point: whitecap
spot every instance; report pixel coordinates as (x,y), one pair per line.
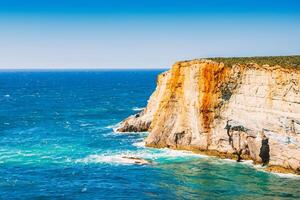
(85,124)
(7,95)
(137,108)
(28,154)
(46,157)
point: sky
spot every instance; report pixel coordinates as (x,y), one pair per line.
(42,34)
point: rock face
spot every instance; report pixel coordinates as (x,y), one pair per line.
(242,111)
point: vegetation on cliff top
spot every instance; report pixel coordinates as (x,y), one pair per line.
(284,61)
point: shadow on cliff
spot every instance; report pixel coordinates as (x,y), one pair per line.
(265,151)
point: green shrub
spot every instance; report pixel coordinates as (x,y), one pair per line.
(284,61)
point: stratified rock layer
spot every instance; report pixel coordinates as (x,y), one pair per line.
(241,111)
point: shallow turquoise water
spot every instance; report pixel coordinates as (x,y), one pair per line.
(57,142)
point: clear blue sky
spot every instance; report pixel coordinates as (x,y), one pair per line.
(142,33)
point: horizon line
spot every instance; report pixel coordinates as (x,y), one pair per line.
(81,69)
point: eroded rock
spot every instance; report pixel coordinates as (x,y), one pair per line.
(244,111)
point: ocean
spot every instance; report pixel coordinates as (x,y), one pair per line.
(57,142)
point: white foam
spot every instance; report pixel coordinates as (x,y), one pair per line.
(85,124)
(29,154)
(288,175)
(180,153)
(137,109)
(25,154)
(225,160)
(46,157)
(283,175)
(114,127)
(258,167)
(247,162)
(145,153)
(117,133)
(139,144)
(111,159)
(7,95)
(243,162)
(111,126)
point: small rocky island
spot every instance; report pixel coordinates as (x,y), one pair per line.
(238,108)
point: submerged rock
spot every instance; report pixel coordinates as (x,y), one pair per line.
(241,111)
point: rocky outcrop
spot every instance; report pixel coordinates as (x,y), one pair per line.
(141,121)
(239,111)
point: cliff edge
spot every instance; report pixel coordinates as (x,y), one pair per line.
(230,108)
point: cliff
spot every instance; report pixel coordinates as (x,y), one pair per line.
(226,108)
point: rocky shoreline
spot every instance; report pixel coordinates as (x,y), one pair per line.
(238,111)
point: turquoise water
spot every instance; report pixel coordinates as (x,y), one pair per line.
(57,142)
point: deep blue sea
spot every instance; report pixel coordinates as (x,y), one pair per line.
(57,142)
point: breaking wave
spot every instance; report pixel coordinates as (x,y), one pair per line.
(151,155)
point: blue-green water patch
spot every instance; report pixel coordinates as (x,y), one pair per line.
(57,142)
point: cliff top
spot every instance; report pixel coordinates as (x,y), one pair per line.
(284,61)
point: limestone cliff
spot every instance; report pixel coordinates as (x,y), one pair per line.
(239,111)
